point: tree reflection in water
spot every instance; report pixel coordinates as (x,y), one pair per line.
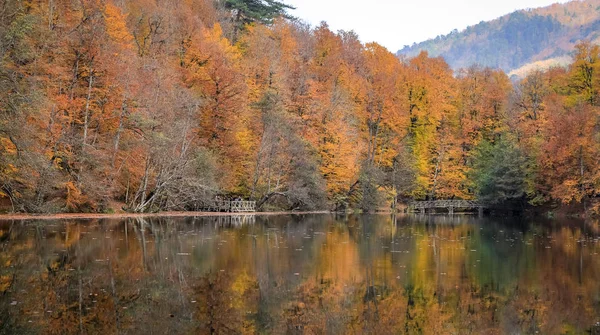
(309,274)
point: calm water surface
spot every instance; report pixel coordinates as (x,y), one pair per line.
(315,274)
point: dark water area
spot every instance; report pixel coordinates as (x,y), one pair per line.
(309,274)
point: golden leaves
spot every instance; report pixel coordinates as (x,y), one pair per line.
(116,26)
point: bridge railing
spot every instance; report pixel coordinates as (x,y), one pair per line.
(242,206)
(230,206)
(446,204)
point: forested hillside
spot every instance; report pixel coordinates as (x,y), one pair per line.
(515,40)
(148,105)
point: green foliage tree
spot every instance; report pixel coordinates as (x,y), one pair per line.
(370,179)
(250,11)
(498,171)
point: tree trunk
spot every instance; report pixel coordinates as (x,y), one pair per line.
(581,182)
(438,164)
(118,135)
(87,108)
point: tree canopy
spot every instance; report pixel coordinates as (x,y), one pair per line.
(144,106)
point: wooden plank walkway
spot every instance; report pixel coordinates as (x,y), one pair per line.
(449,205)
(233,206)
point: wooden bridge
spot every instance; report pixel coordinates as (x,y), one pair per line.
(233,206)
(449,205)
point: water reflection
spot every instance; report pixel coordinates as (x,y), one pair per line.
(300,274)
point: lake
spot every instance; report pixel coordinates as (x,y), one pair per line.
(304,274)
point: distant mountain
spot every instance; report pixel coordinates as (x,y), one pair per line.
(519,41)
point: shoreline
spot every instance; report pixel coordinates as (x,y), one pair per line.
(91,216)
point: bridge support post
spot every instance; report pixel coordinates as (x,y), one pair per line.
(480,211)
(451,210)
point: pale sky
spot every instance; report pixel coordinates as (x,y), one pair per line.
(395,23)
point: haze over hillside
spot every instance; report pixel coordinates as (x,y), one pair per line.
(518,41)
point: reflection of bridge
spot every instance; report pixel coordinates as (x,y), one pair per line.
(234,206)
(231,221)
(449,205)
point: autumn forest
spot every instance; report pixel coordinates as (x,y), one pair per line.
(146,105)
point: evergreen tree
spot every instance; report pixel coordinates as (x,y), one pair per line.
(498,172)
(250,11)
